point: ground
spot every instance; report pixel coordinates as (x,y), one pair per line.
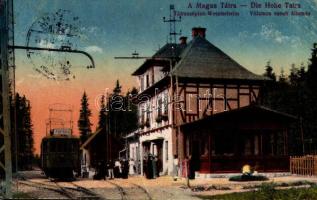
(34,184)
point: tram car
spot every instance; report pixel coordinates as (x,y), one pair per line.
(60,156)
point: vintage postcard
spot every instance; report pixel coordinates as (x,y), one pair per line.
(144,99)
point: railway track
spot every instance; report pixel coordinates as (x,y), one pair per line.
(73,191)
(131,192)
(121,189)
(76,192)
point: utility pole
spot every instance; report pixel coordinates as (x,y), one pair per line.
(172,22)
(5,128)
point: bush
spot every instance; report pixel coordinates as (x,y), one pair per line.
(244,177)
(267,192)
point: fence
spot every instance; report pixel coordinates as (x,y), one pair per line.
(304,165)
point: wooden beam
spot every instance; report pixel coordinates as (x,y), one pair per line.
(2,166)
(1,131)
(2,148)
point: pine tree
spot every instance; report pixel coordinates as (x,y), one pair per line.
(102,113)
(117,88)
(28,131)
(122,113)
(24,133)
(131,114)
(115,113)
(294,75)
(84,124)
(269,71)
(312,71)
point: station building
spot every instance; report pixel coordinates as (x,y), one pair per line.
(196,101)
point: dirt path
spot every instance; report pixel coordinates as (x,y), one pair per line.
(138,187)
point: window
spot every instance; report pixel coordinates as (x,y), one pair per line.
(142,117)
(132,153)
(191,103)
(142,83)
(148,116)
(159,107)
(52,146)
(166,150)
(224,144)
(165,104)
(147,81)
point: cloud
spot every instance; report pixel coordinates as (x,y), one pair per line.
(90,29)
(269,32)
(46,44)
(94,49)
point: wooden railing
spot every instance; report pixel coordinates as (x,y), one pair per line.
(304,165)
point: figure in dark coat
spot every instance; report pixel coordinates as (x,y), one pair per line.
(125,169)
(158,167)
(149,167)
(110,166)
(117,169)
(144,167)
(154,165)
(99,171)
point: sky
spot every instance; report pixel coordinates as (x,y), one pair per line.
(109,28)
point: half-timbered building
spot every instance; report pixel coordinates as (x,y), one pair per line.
(185,83)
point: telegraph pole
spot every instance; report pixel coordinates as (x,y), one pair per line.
(5,127)
(172,23)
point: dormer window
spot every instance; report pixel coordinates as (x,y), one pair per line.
(141,83)
(147,81)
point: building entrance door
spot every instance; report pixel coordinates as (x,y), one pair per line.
(159,154)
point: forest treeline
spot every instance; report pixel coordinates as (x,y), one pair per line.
(117,114)
(295,94)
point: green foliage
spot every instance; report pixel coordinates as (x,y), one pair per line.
(23,142)
(267,191)
(241,178)
(296,95)
(122,114)
(269,71)
(84,124)
(102,113)
(21,195)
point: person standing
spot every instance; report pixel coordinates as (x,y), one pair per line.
(103,170)
(131,167)
(191,166)
(125,169)
(154,161)
(176,167)
(158,167)
(117,169)
(110,169)
(149,167)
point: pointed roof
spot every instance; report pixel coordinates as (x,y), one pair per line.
(201,59)
(169,50)
(91,138)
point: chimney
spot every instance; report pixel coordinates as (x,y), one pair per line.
(198,31)
(183,40)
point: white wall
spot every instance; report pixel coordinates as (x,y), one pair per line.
(166,134)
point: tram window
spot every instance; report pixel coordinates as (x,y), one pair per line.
(52,146)
(70,146)
(73,146)
(60,147)
(63,147)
